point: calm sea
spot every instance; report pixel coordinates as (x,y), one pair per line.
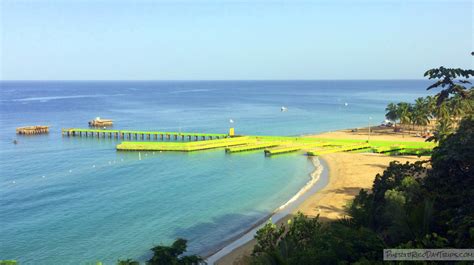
(77,201)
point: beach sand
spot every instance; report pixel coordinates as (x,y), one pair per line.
(348,173)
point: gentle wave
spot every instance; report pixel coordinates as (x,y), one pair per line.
(318,169)
(190,91)
(44,99)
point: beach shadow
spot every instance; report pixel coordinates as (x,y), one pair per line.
(207,237)
(348,190)
(331,209)
(382,166)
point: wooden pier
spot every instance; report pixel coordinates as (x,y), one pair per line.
(141,135)
(273,145)
(30,130)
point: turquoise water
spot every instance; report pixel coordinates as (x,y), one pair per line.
(76,201)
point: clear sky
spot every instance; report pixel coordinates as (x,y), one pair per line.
(215,40)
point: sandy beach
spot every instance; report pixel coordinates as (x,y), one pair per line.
(348,173)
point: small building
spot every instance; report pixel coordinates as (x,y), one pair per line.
(98,122)
(29,130)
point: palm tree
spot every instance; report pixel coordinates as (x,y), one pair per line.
(443,112)
(404,110)
(421,112)
(392,113)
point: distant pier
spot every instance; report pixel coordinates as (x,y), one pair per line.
(30,130)
(141,135)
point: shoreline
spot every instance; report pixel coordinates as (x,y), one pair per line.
(280,214)
(346,174)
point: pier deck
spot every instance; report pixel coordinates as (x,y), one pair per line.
(184,147)
(251,147)
(293,147)
(144,135)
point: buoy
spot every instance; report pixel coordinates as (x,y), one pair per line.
(346,104)
(15,142)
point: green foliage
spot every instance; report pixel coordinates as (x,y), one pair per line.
(454,102)
(432,240)
(421,112)
(172,255)
(307,241)
(451,184)
(128,262)
(452,81)
(391,112)
(404,109)
(268,237)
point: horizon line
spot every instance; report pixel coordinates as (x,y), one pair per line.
(203,80)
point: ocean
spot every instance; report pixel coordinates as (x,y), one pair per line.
(78,201)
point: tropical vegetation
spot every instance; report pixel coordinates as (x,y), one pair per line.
(445,109)
(427,204)
(169,255)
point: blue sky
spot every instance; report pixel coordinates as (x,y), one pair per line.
(215,40)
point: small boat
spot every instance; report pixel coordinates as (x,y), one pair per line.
(283,109)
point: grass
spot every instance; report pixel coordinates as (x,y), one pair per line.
(345,148)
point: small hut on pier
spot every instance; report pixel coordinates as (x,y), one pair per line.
(98,122)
